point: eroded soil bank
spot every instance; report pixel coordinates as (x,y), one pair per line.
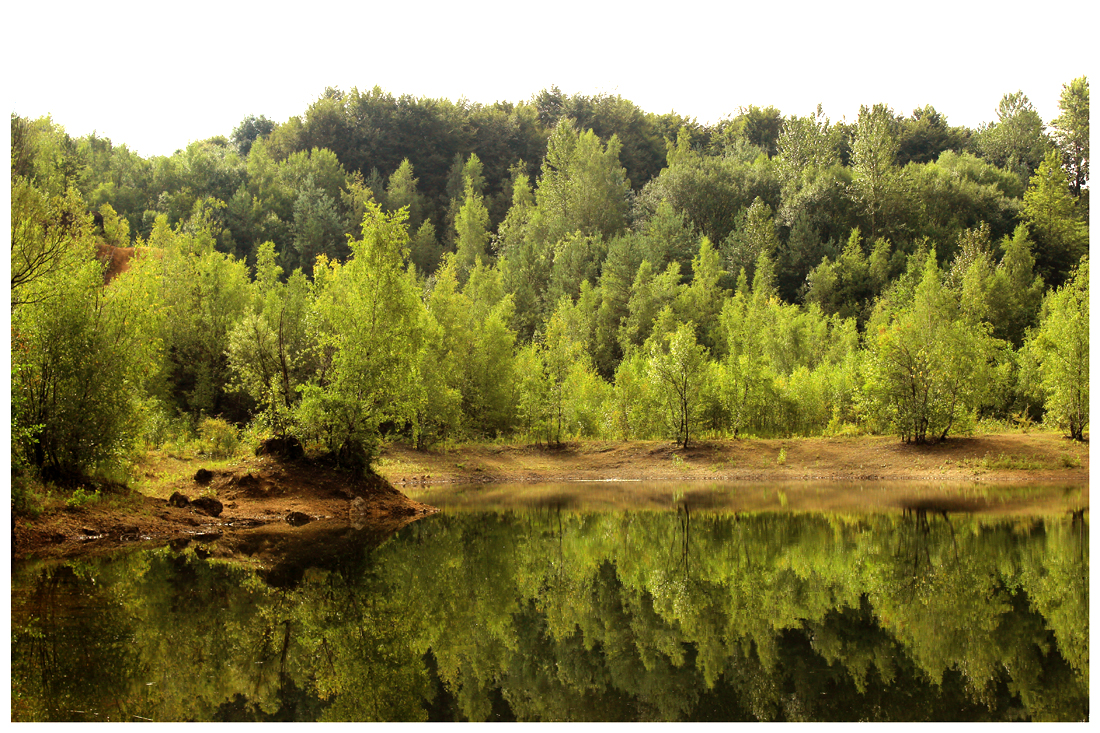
(267,502)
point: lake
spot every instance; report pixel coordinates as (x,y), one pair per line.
(604,602)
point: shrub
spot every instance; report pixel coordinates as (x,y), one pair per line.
(218,438)
(80,498)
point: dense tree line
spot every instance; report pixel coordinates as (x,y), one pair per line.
(562,267)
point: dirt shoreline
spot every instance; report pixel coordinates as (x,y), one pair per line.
(1031,456)
(264,498)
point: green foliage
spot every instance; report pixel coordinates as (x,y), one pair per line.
(677,365)
(271,349)
(927,366)
(367,327)
(583,187)
(874,163)
(472,229)
(1071,132)
(1016,141)
(81,498)
(219,438)
(1058,354)
(1054,221)
(619,251)
(755,236)
(318,229)
(197,295)
(77,367)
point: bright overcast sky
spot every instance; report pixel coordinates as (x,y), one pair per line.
(157,75)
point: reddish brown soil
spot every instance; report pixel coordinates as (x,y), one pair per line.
(256,493)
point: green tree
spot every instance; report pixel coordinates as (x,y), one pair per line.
(874,162)
(649,295)
(79,360)
(49,235)
(561,350)
(1054,221)
(368,318)
(678,364)
(1071,132)
(925,134)
(424,249)
(846,286)
(1016,292)
(203,293)
(927,365)
(472,231)
(583,187)
(807,143)
(754,236)
(701,301)
(1059,353)
(270,349)
(251,128)
(402,192)
(318,228)
(1016,141)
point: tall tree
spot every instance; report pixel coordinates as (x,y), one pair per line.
(927,365)
(318,228)
(1059,351)
(874,162)
(1053,217)
(367,318)
(251,128)
(471,230)
(1016,141)
(1071,132)
(678,364)
(583,187)
(402,192)
(807,143)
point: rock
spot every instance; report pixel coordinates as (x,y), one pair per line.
(203,476)
(297,519)
(178,499)
(358,505)
(208,505)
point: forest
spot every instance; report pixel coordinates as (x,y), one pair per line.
(569,267)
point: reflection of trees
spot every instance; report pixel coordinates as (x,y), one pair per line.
(65,672)
(558,615)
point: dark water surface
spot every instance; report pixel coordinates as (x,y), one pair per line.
(554,609)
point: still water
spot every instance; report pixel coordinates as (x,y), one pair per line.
(551,608)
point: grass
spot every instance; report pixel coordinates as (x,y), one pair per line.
(1013,463)
(397,466)
(158,471)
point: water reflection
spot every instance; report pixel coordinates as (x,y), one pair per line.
(549,613)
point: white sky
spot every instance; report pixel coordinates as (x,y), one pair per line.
(157,76)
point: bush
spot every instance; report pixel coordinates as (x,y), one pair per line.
(80,498)
(218,438)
